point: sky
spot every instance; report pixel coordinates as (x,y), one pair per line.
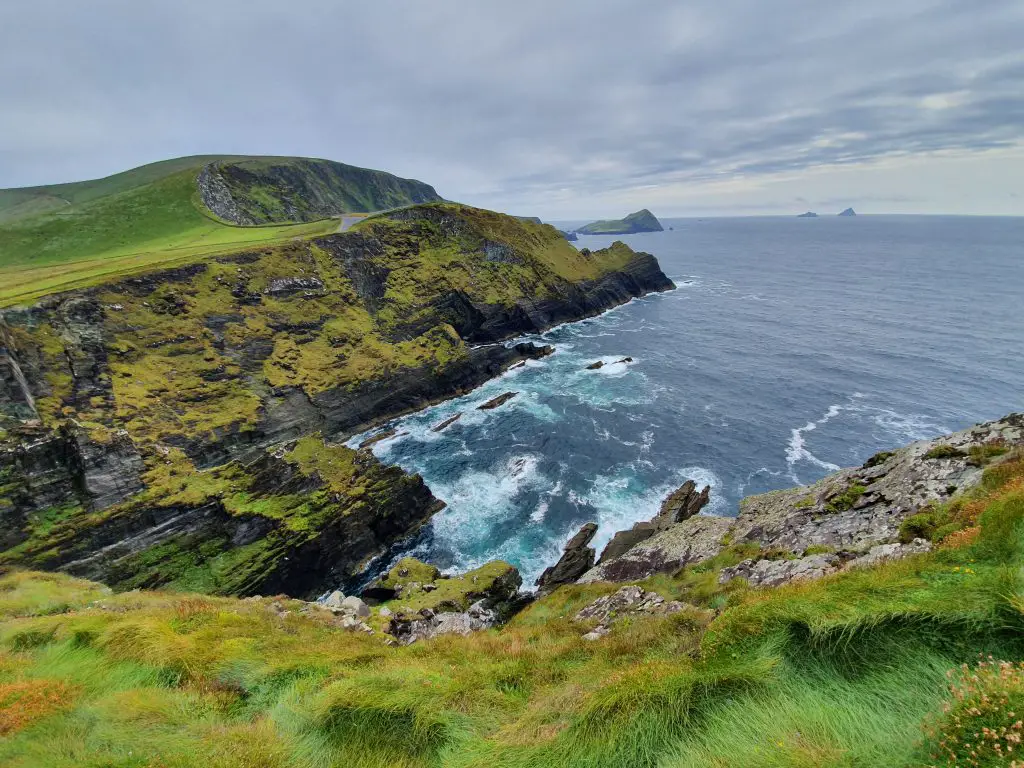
(564,109)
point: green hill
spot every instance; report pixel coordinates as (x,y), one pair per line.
(641,221)
(64,235)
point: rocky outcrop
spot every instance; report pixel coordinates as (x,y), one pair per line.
(420,602)
(807,215)
(681,504)
(848,212)
(577,558)
(853,517)
(772,573)
(627,602)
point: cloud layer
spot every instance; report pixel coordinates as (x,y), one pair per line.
(564,109)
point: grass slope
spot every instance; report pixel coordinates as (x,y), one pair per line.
(29,201)
(69,235)
(877,667)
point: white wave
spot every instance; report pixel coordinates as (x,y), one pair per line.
(897,427)
(480,498)
(797,451)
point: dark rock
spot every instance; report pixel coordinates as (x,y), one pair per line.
(684,503)
(681,504)
(808,215)
(378,594)
(595,366)
(497,401)
(848,212)
(446,423)
(386,434)
(577,559)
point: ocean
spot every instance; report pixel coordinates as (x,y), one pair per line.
(790,348)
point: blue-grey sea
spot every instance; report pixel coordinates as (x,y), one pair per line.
(790,348)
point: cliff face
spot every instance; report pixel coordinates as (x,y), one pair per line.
(176,427)
(273,190)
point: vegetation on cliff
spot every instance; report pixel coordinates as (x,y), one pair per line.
(65,235)
(899,664)
(640,221)
(151,418)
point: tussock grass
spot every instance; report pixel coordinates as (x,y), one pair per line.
(847,671)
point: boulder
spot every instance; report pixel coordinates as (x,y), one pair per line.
(355,606)
(772,573)
(595,366)
(629,601)
(334,600)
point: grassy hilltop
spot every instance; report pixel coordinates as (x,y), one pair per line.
(887,666)
(65,235)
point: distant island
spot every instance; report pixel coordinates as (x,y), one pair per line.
(808,215)
(848,212)
(641,221)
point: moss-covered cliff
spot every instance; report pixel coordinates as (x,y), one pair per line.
(275,190)
(151,420)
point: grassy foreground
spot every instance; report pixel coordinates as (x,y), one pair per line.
(860,669)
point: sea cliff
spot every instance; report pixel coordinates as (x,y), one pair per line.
(179,427)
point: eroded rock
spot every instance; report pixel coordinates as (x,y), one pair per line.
(577,558)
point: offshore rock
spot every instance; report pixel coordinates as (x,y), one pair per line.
(497,401)
(447,422)
(576,559)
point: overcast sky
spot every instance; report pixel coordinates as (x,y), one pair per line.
(557,108)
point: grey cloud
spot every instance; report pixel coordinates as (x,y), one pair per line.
(502,105)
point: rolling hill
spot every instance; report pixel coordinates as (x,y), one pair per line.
(65,235)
